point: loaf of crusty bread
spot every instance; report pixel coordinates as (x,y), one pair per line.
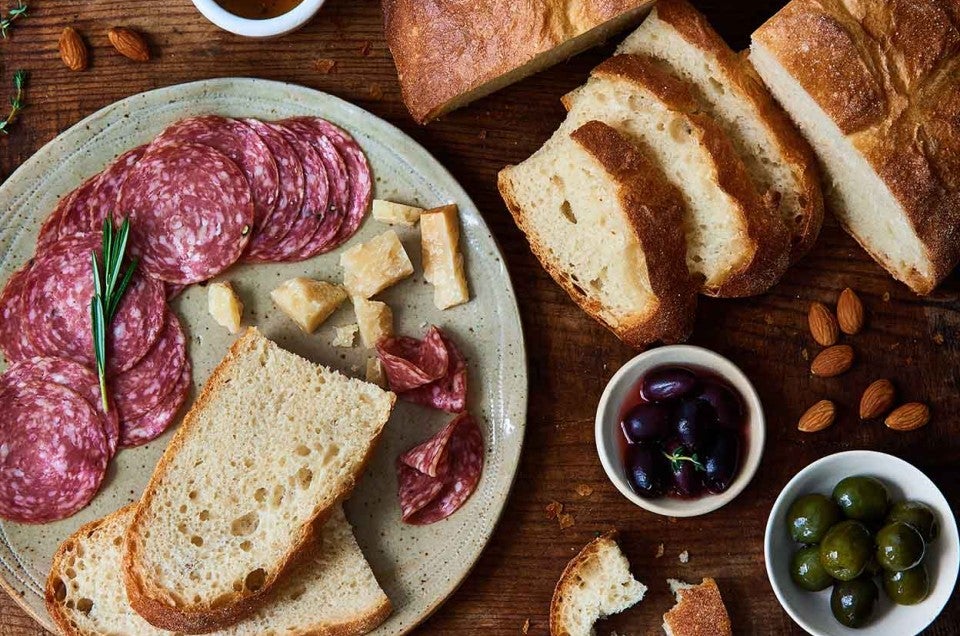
(268,451)
(875,87)
(451,52)
(607,225)
(332,591)
(777,157)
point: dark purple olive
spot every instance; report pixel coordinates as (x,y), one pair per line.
(646,422)
(686,477)
(724,403)
(721,458)
(692,421)
(668,383)
(647,470)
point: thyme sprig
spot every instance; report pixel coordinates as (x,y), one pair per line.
(677,457)
(20,11)
(16,101)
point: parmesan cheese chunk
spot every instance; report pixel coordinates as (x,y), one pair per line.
(371,267)
(224,306)
(395,213)
(308,302)
(345,336)
(442,260)
(375,320)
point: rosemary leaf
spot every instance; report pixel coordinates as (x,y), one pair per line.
(16,101)
(20,11)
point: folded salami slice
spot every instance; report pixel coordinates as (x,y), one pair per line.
(107,188)
(13,334)
(456,452)
(410,363)
(190,211)
(448,393)
(144,386)
(153,423)
(54,453)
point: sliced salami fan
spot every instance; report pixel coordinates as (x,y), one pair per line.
(54,453)
(190,212)
(153,423)
(71,216)
(144,386)
(448,393)
(410,363)
(108,185)
(13,335)
(460,449)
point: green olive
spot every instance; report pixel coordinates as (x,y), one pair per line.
(862,498)
(899,547)
(810,516)
(852,602)
(917,514)
(806,570)
(908,587)
(846,550)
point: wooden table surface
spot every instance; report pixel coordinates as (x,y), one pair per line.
(912,340)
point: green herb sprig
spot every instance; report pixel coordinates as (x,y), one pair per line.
(108,289)
(677,457)
(16,101)
(20,11)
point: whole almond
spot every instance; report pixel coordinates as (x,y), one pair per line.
(823,326)
(129,43)
(73,51)
(908,417)
(850,312)
(832,361)
(877,399)
(818,417)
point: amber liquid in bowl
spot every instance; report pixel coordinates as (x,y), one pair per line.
(258,9)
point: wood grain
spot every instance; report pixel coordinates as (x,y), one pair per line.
(912,340)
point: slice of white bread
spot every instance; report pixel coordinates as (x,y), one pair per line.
(699,610)
(777,157)
(269,449)
(607,225)
(735,242)
(595,584)
(333,591)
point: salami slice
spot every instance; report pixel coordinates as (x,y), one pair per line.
(190,212)
(422,502)
(143,387)
(410,363)
(448,393)
(53,453)
(173,290)
(268,236)
(70,216)
(72,375)
(108,185)
(431,457)
(13,334)
(153,423)
(56,303)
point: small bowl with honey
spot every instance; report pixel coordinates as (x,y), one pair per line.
(259,18)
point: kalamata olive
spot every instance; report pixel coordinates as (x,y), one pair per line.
(692,421)
(646,422)
(646,470)
(725,404)
(682,462)
(721,458)
(668,383)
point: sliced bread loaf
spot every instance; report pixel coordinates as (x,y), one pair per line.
(268,450)
(331,592)
(699,610)
(736,243)
(607,226)
(595,584)
(778,159)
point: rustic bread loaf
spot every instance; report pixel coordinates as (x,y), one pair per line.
(778,159)
(736,243)
(607,225)
(451,52)
(875,87)
(699,610)
(331,592)
(595,584)
(269,449)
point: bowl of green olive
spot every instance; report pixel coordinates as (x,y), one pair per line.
(862,542)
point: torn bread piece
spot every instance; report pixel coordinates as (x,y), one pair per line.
(699,610)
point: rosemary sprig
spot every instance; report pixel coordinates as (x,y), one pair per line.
(16,102)
(108,289)
(677,457)
(20,11)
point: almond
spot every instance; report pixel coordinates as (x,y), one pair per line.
(129,43)
(818,417)
(832,361)
(877,399)
(823,326)
(908,417)
(73,51)
(850,312)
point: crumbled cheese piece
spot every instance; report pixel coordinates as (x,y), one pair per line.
(375,372)
(375,319)
(345,336)
(442,260)
(371,267)
(224,305)
(684,557)
(395,213)
(308,302)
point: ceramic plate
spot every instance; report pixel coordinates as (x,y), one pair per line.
(419,567)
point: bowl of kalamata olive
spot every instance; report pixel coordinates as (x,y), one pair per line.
(680,430)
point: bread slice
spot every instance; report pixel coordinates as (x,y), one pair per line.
(269,449)
(332,592)
(778,159)
(595,584)
(699,610)
(735,242)
(607,226)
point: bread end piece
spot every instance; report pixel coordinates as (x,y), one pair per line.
(699,610)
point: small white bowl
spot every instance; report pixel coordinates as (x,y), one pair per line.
(608,426)
(811,610)
(268,28)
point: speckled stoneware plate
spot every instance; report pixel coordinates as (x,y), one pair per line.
(419,567)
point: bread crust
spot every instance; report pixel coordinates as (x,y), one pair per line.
(568,579)
(202,618)
(699,612)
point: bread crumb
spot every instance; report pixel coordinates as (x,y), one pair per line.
(345,336)
(324,65)
(584,490)
(684,557)
(375,372)
(365,49)
(526,627)
(554,508)
(660,551)
(805,354)
(886,297)
(566,521)
(938,338)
